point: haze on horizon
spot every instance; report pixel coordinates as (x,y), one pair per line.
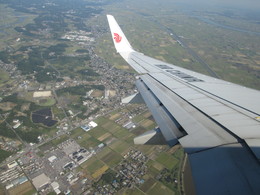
(248,9)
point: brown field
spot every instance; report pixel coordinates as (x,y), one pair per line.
(173,149)
(185,60)
(146,123)
(115,116)
(103,137)
(122,67)
(147,114)
(97,93)
(112,93)
(100,171)
(21,189)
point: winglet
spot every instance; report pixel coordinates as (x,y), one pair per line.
(120,40)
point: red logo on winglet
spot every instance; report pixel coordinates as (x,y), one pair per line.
(117,38)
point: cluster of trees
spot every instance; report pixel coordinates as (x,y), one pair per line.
(4,56)
(88,72)
(107,178)
(33,63)
(46,74)
(4,154)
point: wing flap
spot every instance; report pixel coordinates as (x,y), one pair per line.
(168,125)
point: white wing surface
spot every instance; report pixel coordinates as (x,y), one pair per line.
(216,122)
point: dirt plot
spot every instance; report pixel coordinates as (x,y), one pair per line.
(146,123)
(115,116)
(97,93)
(22,189)
(174,149)
(147,114)
(103,137)
(6,106)
(112,93)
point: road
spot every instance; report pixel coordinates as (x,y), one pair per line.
(192,52)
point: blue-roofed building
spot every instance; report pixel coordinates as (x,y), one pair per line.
(85,127)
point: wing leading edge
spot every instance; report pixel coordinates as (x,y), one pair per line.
(215,121)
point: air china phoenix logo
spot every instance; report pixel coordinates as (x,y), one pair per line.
(117,38)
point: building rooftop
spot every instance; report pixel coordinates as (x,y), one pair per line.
(40,181)
(52,158)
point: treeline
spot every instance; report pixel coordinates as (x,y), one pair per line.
(35,61)
(46,74)
(79,90)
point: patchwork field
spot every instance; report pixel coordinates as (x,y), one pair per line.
(25,188)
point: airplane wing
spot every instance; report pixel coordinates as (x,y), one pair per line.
(216,122)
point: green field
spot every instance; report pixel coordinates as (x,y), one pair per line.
(134,191)
(4,76)
(47,102)
(59,140)
(97,132)
(167,160)
(120,146)
(112,159)
(87,141)
(147,185)
(92,165)
(159,188)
